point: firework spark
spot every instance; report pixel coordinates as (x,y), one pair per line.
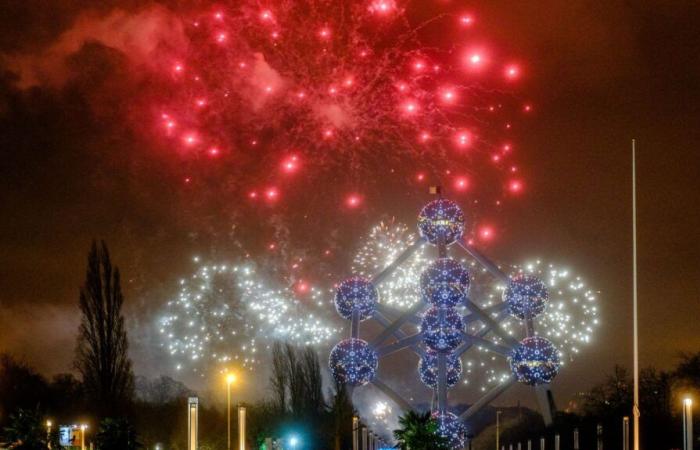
(569,320)
(225,315)
(341,86)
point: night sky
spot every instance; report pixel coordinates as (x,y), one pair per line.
(74,168)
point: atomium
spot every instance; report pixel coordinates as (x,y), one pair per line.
(535,361)
(353,361)
(458,317)
(356,294)
(526,296)
(441,219)
(428,369)
(442,329)
(444,283)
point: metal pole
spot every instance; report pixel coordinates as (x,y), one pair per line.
(82,437)
(687,424)
(192,423)
(529,444)
(576,446)
(635,406)
(599,436)
(625,433)
(355,432)
(241,428)
(364,438)
(557,442)
(498,429)
(542,442)
(228,415)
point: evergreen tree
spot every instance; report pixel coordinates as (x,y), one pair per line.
(102,351)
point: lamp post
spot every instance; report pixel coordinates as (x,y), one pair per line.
(498,430)
(48,433)
(230,379)
(83,427)
(687,423)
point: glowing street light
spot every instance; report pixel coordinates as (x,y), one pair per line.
(687,423)
(83,427)
(230,379)
(48,433)
(293,441)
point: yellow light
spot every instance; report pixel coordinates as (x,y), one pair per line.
(230,378)
(48,423)
(83,427)
(688,401)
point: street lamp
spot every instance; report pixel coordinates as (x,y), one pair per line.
(230,379)
(83,427)
(48,433)
(293,441)
(498,430)
(687,423)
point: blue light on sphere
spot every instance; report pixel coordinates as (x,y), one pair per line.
(535,361)
(353,361)
(442,329)
(526,295)
(356,293)
(445,282)
(441,217)
(428,369)
(450,427)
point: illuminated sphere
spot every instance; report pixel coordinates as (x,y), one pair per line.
(356,293)
(353,361)
(442,329)
(526,295)
(450,427)
(445,282)
(535,361)
(428,369)
(441,217)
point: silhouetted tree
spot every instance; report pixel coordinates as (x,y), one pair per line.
(26,431)
(116,434)
(102,351)
(341,411)
(278,379)
(21,387)
(312,382)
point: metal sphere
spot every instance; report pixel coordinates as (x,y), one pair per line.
(441,217)
(526,296)
(535,361)
(352,361)
(445,283)
(442,329)
(451,427)
(356,293)
(428,369)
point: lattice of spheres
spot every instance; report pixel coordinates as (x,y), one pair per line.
(441,217)
(442,329)
(356,293)
(353,361)
(450,427)
(526,295)
(535,361)
(428,369)
(445,283)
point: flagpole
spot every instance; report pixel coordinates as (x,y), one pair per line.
(635,407)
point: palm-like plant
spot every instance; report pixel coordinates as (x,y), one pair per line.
(26,432)
(419,432)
